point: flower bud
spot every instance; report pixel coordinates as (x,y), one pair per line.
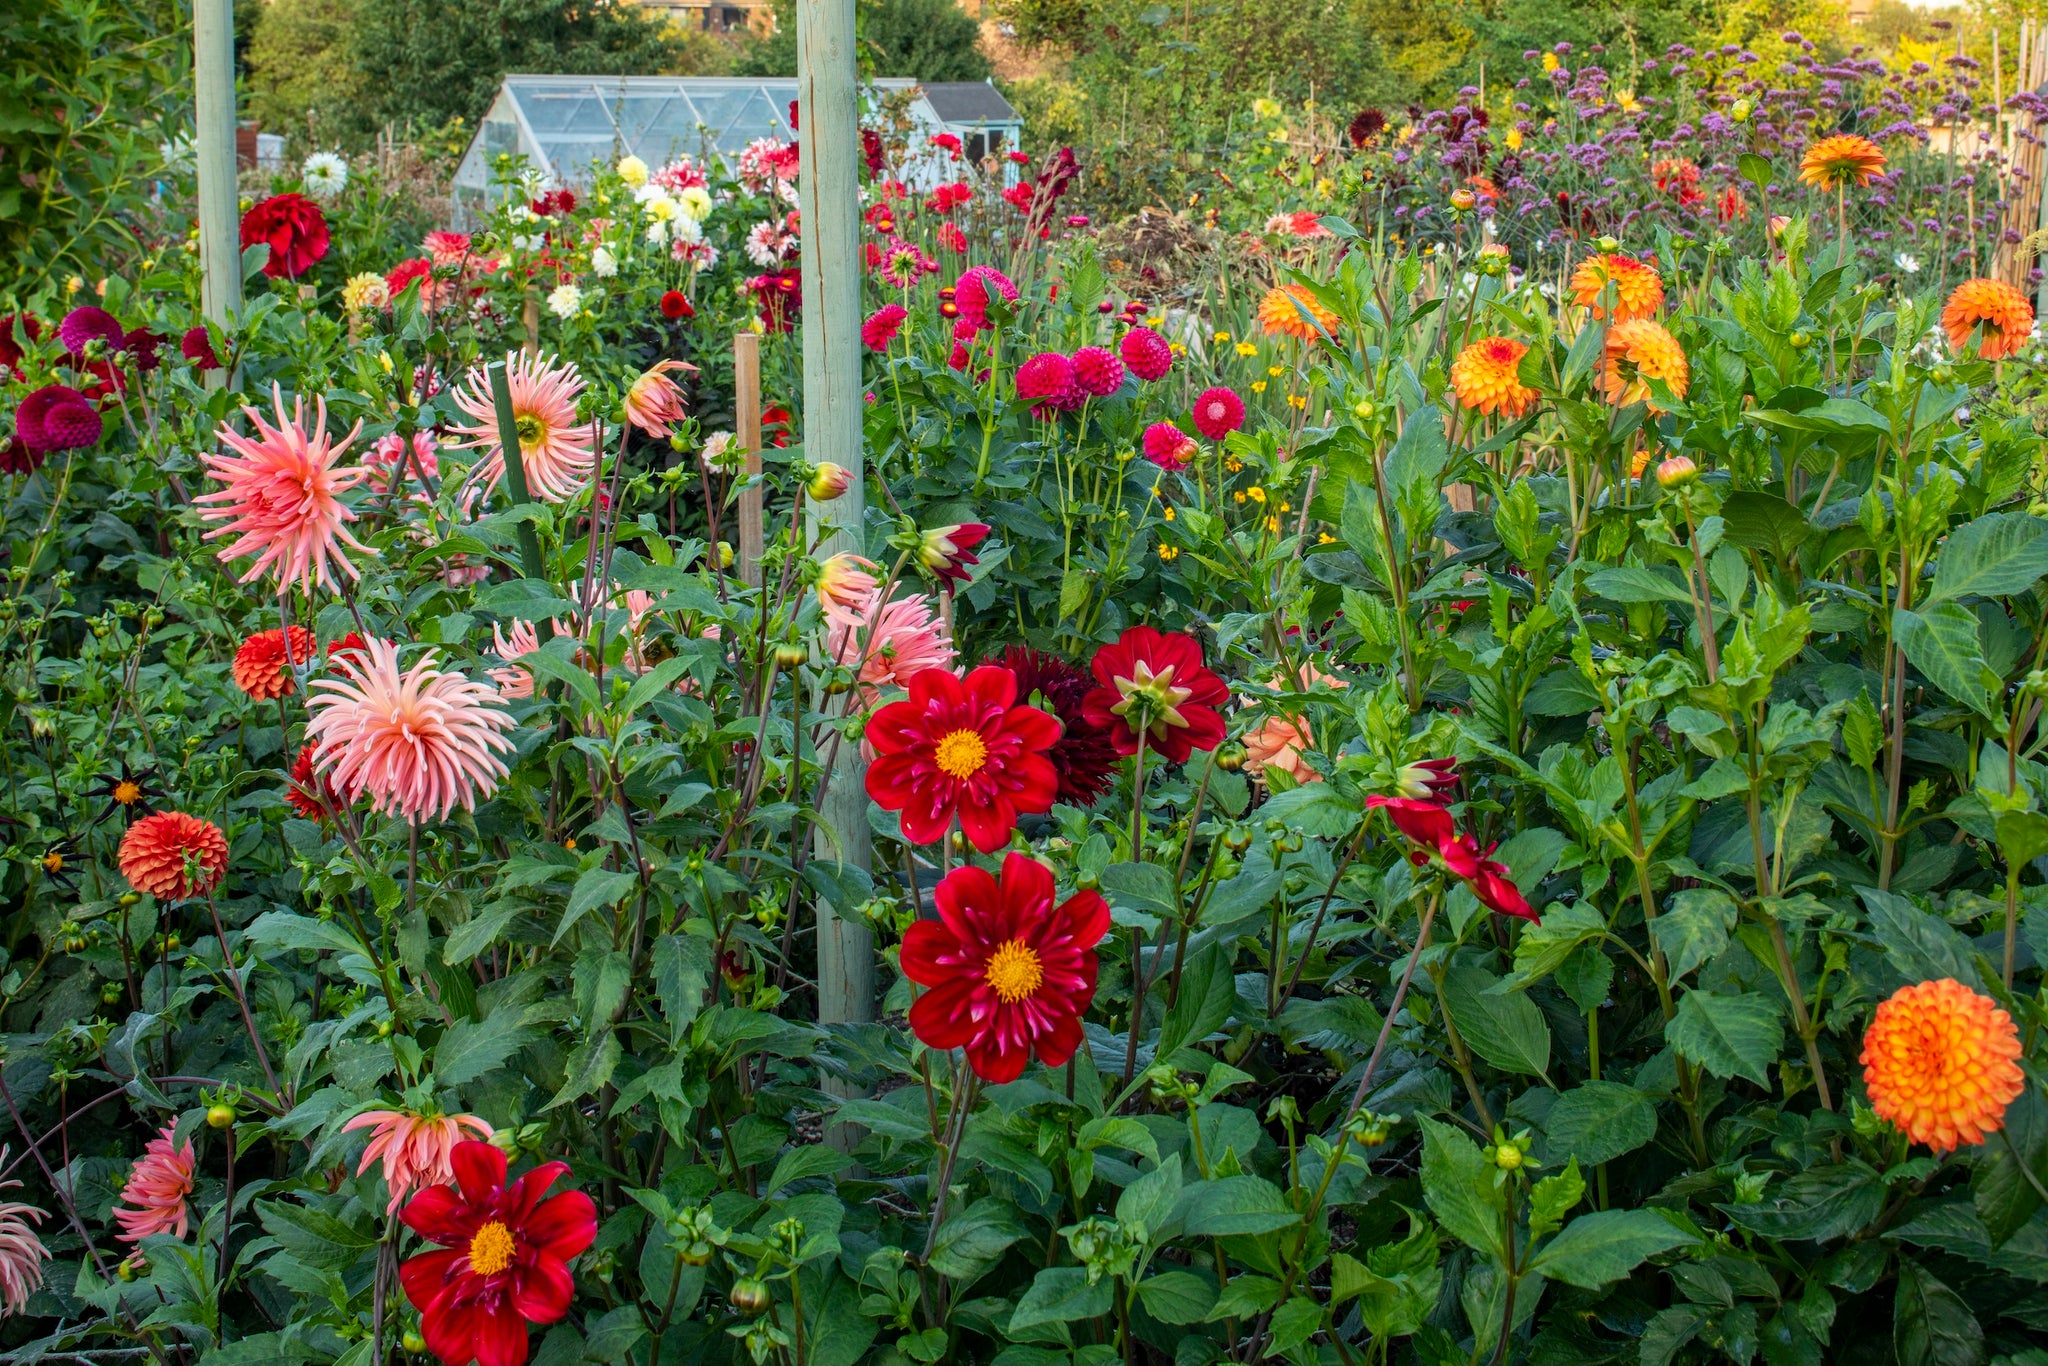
(220,1115)
(1801,340)
(751,1297)
(413,1342)
(1463,200)
(1230,758)
(1507,1156)
(1740,113)
(790,655)
(1609,244)
(725,554)
(827,481)
(1676,472)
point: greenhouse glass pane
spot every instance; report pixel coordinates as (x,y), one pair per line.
(640,114)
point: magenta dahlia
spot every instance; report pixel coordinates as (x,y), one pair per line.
(1046,382)
(57,418)
(1098,371)
(1218,412)
(1168,447)
(1147,353)
(85,324)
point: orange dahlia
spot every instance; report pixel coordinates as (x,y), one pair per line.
(2002,311)
(1844,159)
(1487,376)
(1638,292)
(1940,1062)
(172,855)
(262,668)
(1287,309)
(1639,351)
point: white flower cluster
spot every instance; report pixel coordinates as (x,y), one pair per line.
(672,216)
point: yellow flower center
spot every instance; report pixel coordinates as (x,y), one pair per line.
(960,756)
(490,1251)
(127,792)
(1014,970)
(531,431)
(53,862)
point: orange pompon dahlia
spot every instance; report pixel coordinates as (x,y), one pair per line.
(172,855)
(1941,1063)
(263,666)
(2004,314)
(1639,351)
(1844,159)
(1637,290)
(1292,311)
(1487,376)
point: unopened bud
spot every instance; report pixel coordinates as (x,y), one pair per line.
(1676,472)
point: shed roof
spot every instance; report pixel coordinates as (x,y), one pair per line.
(968,102)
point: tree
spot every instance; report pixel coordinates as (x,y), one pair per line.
(302,72)
(926,40)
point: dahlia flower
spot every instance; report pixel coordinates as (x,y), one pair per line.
(57,418)
(503,1259)
(945,552)
(1277,743)
(86,324)
(197,346)
(1146,354)
(654,403)
(324,175)
(1008,972)
(878,332)
(1638,292)
(1218,412)
(446,248)
(1097,371)
(390,466)
(1834,163)
(1046,382)
(513,683)
(310,794)
(418,741)
(675,305)
(962,748)
(848,582)
(976,289)
(1168,447)
(11,352)
(365,291)
(415,1149)
(173,856)
(156,1190)
(557,452)
(1942,1064)
(564,300)
(22,1253)
(1152,684)
(903,638)
(264,664)
(1639,351)
(282,497)
(2004,313)
(1083,759)
(294,229)
(1294,311)
(1487,376)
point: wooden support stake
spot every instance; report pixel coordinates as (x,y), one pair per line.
(746,386)
(220,242)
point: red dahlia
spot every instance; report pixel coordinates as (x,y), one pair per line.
(57,417)
(294,229)
(962,747)
(1218,412)
(1430,828)
(1098,371)
(1154,684)
(675,304)
(10,349)
(504,1256)
(197,347)
(1008,973)
(1147,353)
(172,855)
(86,324)
(1084,758)
(309,792)
(947,551)
(263,666)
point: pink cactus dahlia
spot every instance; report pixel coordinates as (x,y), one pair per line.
(282,500)
(415,1149)
(156,1191)
(558,451)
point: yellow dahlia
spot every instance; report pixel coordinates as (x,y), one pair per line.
(1841,160)
(1487,376)
(2002,311)
(1638,292)
(1286,310)
(1639,351)
(1940,1062)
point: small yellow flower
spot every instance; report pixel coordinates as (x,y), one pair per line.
(1514,139)
(1169,553)
(1325,538)
(1273,525)
(1247,349)
(1238,496)
(1177,348)
(1232,464)
(1222,337)
(1266,107)
(1258,386)
(1168,514)
(1287,507)
(1276,370)
(1550,61)
(1297,400)
(73,285)
(1324,187)
(1256,494)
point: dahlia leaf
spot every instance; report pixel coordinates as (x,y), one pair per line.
(1606,1245)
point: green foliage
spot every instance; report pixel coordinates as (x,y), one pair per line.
(925,40)
(302,73)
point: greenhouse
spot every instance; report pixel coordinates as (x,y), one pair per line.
(564,124)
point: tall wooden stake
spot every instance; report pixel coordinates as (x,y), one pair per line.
(746,402)
(829,137)
(213,76)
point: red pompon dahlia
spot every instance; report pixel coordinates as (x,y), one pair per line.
(263,666)
(962,747)
(878,333)
(1098,371)
(294,229)
(171,855)
(1008,973)
(1147,353)
(1218,412)
(944,551)
(1168,447)
(1083,758)
(86,324)
(503,1259)
(1046,382)
(977,288)
(197,347)
(57,418)
(10,349)
(1153,684)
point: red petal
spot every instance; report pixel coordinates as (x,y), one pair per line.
(967,898)
(500,1339)
(929,686)
(988,826)
(925,822)
(542,1291)
(991,685)
(1204,728)
(440,1214)
(561,1225)
(451,1333)
(943,1017)
(479,1170)
(996,1063)
(925,943)
(1061,1043)
(1087,917)
(1027,891)
(426,1276)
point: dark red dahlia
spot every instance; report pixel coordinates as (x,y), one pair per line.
(10,349)
(294,229)
(57,418)
(197,347)
(86,324)
(1366,125)
(18,457)
(1083,758)
(1098,371)
(143,345)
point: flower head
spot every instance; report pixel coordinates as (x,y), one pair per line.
(1152,684)
(418,741)
(564,299)
(2004,314)
(675,305)
(977,288)
(282,500)
(11,352)
(945,552)
(1845,159)
(633,171)
(156,1190)
(1008,973)
(965,748)
(1146,353)
(1218,412)
(86,324)
(503,1259)
(1942,1063)
(172,856)
(893,642)
(22,1253)
(1083,758)
(848,582)
(878,332)
(1631,288)
(197,346)
(310,794)
(654,402)
(294,229)
(1428,780)
(446,248)
(415,1149)
(57,417)
(1046,382)
(1639,351)
(1278,743)
(1366,125)
(1168,447)
(1487,376)
(264,664)
(1294,311)
(557,451)
(364,292)
(1097,371)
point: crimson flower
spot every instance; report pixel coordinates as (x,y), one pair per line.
(197,347)
(1495,889)
(86,324)
(11,350)
(962,747)
(1429,780)
(1153,683)
(1218,412)
(878,332)
(504,1256)
(1083,758)
(945,550)
(294,229)
(675,304)
(1424,822)
(57,418)
(1146,353)
(1009,974)
(1428,825)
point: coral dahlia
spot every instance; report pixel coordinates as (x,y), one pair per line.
(893,642)
(557,452)
(2004,314)
(1942,1063)
(264,664)
(1152,684)
(282,500)
(654,402)
(1639,351)
(22,1253)
(1631,288)
(1008,972)
(156,1190)
(1487,376)
(416,1149)
(965,748)
(1295,311)
(171,855)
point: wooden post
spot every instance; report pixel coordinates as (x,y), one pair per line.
(220,240)
(829,138)
(746,402)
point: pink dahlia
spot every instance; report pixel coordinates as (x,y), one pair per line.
(654,403)
(878,333)
(156,1191)
(415,1149)
(57,418)
(1218,412)
(514,683)
(86,324)
(977,288)
(1147,353)
(1168,447)
(890,644)
(283,496)
(446,248)
(22,1253)
(558,452)
(1046,382)
(1098,371)
(418,741)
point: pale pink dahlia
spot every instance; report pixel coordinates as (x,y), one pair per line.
(418,741)
(414,1149)
(558,451)
(513,682)
(654,404)
(156,1191)
(902,638)
(22,1253)
(282,501)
